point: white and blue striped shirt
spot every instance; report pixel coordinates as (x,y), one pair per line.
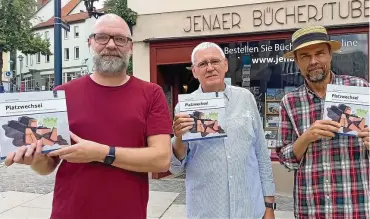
(229,177)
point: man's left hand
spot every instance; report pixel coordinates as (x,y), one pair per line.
(269,214)
(83,151)
(364,134)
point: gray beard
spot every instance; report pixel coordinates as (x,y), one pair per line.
(110,66)
(318,77)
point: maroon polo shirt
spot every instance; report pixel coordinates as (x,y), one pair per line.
(122,116)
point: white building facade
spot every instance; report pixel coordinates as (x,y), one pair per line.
(37,70)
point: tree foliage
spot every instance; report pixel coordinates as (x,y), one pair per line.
(119,7)
(16,28)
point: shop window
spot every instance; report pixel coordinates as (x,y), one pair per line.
(260,67)
(29,84)
(353,58)
(68,76)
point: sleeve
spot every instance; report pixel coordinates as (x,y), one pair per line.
(158,119)
(177,166)
(262,154)
(286,138)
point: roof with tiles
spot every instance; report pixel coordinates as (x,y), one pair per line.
(66,17)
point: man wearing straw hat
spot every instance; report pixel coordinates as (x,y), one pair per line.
(331,171)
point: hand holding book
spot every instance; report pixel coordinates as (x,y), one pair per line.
(364,134)
(321,129)
(182,123)
(27,155)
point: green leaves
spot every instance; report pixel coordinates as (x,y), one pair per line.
(119,7)
(15,28)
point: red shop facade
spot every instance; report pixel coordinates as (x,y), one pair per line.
(255,63)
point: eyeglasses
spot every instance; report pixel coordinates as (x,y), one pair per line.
(103,39)
(213,62)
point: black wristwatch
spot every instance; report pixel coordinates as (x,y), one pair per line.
(111,156)
(270,205)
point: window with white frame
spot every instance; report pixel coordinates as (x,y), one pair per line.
(47,35)
(65,34)
(47,58)
(26,60)
(31,60)
(29,83)
(76,31)
(66,54)
(68,76)
(38,58)
(77,52)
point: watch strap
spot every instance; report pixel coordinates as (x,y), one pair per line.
(109,159)
(270,205)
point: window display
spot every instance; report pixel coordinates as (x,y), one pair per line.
(260,67)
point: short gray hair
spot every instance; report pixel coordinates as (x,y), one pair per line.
(206,45)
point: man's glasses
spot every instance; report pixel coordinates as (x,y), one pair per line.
(103,39)
(213,62)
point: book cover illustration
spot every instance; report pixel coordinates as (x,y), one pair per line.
(349,106)
(205,124)
(270,94)
(272,121)
(273,107)
(208,112)
(271,134)
(28,117)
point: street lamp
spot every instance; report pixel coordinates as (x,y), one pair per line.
(91,10)
(20,57)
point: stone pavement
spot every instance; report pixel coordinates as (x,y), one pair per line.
(26,195)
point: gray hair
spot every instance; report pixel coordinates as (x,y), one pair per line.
(206,45)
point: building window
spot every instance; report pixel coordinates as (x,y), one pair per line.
(47,82)
(26,60)
(47,58)
(31,60)
(29,83)
(47,35)
(65,34)
(77,52)
(66,54)
(68,76)
(76,31)
(38,58)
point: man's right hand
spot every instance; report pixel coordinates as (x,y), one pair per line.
(321,129)
(181,124)
(28,155)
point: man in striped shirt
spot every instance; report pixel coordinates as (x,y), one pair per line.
(331,171)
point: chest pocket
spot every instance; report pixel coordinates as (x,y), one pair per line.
(240,129)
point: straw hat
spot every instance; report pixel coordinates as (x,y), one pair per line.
(309,36)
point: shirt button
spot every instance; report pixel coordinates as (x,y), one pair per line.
(230,177)
(327,181)
(229,157)
(328,197)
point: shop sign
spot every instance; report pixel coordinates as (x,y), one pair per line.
(307,12)
(278,16)
(224,21)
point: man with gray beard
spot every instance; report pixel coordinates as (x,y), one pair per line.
(331,170)
(120,129)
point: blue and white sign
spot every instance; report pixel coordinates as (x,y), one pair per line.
(8,74)
(66,26)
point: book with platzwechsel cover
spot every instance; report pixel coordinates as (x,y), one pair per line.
(208,112)
(28,117)
(349,106)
